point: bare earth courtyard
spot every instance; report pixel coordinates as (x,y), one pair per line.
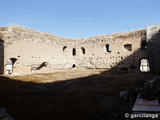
(58,75)
(71,94)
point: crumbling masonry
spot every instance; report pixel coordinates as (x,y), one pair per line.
(31,51)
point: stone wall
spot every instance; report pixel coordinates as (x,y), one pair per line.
(125,50)
(1,57)
(31,49)
(153,47)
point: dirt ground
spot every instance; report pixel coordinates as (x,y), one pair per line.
(67,95)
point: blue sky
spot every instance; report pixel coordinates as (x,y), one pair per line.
(80,18)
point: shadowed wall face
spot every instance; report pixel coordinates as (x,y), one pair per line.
(1,57)
(153,47)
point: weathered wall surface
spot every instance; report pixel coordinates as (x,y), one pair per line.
(97,55)
(32,49)
(1,57)
(153,47)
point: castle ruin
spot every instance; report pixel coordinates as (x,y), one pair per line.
(30,51)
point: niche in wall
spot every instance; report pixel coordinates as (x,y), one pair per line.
(83,50)
(64,48)
(128,47)
(73,66)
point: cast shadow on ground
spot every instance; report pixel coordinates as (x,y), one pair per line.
(95,97)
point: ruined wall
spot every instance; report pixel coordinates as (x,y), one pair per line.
(153,47)
(1,57)
(125,51)
(32,49)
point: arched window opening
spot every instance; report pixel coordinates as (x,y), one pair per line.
(128,47)
(108,48)
(65,47)
(144,65)
(74,52)
(9,66)
(83,50)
